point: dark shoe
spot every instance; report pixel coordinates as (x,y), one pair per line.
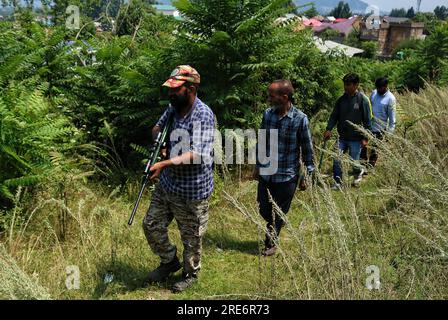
(336,186)
(186,282)
(269,251)
(164,270)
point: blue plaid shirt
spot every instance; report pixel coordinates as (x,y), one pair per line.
(191,181)
(294,142)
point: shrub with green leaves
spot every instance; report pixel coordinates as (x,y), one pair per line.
(428,63)
(31,133)
(240,48)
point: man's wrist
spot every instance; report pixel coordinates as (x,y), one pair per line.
(166,163)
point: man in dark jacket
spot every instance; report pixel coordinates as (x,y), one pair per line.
(352,108)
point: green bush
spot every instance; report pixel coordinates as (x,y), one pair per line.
(240,48)
(370,49)
(33,136)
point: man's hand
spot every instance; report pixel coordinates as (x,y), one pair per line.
(364,142)
(156,169)
(163,154)
(327,134)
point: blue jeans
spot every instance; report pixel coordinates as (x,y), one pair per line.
(354,150)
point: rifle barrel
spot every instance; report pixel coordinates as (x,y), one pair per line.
(161,136)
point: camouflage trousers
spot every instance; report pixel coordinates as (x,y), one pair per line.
(191,217)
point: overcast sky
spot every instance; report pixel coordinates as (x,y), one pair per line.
(387,5)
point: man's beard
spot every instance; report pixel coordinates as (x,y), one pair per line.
(179,102)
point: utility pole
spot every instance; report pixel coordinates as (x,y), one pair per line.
(419,3)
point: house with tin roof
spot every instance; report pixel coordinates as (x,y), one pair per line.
(343,27)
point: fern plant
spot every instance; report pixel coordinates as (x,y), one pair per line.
(30,132)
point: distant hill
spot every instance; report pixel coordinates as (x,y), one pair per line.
(36,4)
(323,6)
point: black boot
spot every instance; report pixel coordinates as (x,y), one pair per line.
(186,282)
(162,272)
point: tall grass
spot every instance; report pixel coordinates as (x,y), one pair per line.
(14,283)
(397,221)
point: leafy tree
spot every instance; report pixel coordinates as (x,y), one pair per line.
(342,10)
(411,13)
(410,45)
(93,9)
(312,12)
(330,34)
(441,12)
(291,6)
(13,3)
(398,13)
(239,49)
(353,39)
(429,19)
(370,49)
(411,74)
(429,61)
(131,17)
(434,52)
(31,133)
(58,10)
(33,127)
(30,55)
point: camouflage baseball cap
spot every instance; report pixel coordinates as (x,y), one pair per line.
(182,74)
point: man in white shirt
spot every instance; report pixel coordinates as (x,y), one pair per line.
(384,120)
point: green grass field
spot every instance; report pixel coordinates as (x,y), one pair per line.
(397,221)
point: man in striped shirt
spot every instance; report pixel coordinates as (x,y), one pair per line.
(294,144)
(186,180)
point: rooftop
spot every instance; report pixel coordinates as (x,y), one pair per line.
(325,46)
(343,27)
(395,19)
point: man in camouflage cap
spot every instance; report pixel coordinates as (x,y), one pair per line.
(186,180)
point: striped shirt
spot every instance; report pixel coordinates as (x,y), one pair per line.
(192,133)
(294,144)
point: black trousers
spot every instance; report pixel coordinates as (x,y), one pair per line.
(282,194)
(371,157)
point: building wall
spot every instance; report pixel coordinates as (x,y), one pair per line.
(369,34)
(390,35)
(397,33)
(383,38)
